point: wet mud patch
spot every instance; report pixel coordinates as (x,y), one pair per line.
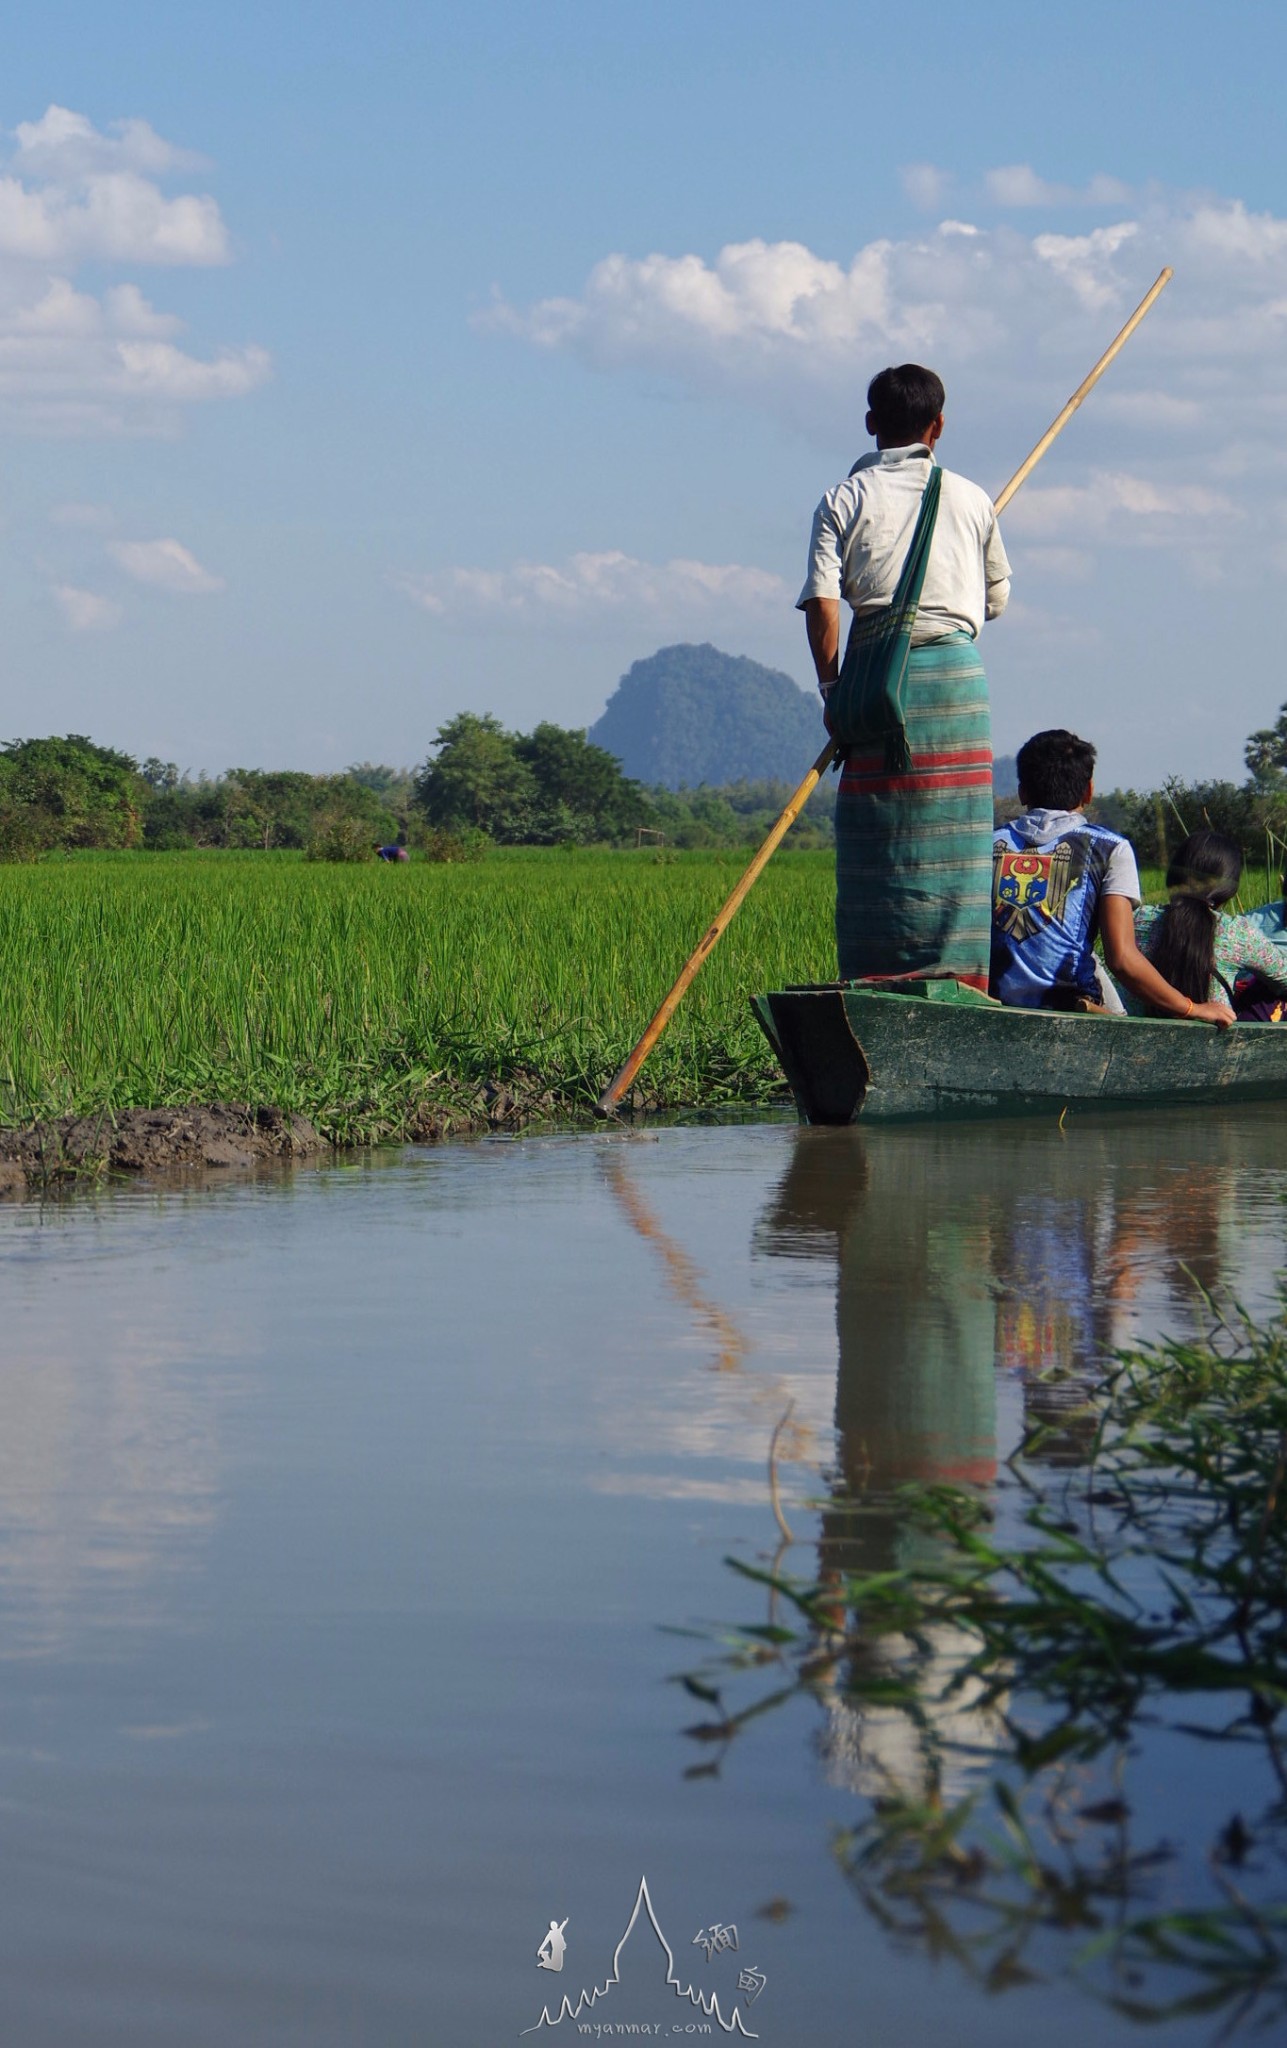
(196,1136)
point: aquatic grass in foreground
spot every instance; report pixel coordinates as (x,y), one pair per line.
(380,1001)
(1001,1703)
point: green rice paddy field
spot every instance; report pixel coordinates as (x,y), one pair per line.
(366,996)
(375,998)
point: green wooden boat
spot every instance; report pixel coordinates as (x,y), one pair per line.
(939,1049)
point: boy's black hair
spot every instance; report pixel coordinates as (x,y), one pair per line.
(1055,770)
(902,403)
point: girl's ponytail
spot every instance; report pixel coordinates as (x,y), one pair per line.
(1203,875)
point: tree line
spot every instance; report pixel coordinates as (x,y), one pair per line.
(481,785)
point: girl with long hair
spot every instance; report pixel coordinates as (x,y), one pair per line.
(1203,953)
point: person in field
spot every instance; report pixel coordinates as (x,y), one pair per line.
(1203,952)
(914,812)
(1058,884)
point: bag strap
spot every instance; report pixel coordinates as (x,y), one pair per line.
(911,580)
(874,665)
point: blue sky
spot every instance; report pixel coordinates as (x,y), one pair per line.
(360,366)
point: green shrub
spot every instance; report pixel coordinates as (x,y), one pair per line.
(437,843)
(338,835)
(25,830)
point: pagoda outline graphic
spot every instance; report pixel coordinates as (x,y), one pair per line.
(707,2003)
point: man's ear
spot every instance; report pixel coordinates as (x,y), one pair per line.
(935,429)
(1089,796)
(870,424)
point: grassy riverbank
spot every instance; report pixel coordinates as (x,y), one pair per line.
(380,1001)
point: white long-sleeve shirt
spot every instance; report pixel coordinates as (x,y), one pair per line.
(863,529)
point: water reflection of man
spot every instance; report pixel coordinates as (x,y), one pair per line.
(975,1259)
(915,1385)
(915,1317)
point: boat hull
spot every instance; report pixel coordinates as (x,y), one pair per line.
(852,1052)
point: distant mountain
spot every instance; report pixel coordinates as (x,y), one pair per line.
(691,714)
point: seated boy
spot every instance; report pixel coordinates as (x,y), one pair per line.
(1058,882)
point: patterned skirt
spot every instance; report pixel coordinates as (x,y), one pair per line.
(914,851)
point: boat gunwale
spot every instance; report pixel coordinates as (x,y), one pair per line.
(930,1083)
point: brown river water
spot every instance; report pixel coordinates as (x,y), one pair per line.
(350,1519)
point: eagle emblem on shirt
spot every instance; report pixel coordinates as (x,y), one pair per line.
(1028,886)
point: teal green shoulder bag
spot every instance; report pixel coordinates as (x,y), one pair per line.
(866,706)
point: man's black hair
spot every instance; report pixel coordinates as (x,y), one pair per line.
(902,402)
(1055,770)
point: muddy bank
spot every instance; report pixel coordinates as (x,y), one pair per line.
(200,1135)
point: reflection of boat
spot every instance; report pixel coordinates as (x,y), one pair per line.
(937,1049)
(971,1255)
(983,1274)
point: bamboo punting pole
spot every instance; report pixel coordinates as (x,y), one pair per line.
(1087,385)
(622,1080)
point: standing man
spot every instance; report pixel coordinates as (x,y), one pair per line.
(913,846)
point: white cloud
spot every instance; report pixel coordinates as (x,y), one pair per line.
(166,565)
(85,518)
(925,185)
(757,301)
(798,330)
(85,611)
(1132,506)
(793,329)
(1068,565)
(71,362)
(107,362)
(608,582)
(1050,632)
(1160,410)
(112,217)
(158,370)
(1012,320)
(62,144)
(1086,262)
(1229,233)
(1018,185)
(62,313)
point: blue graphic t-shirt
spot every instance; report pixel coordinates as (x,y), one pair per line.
(1269,919)
(1049,870)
